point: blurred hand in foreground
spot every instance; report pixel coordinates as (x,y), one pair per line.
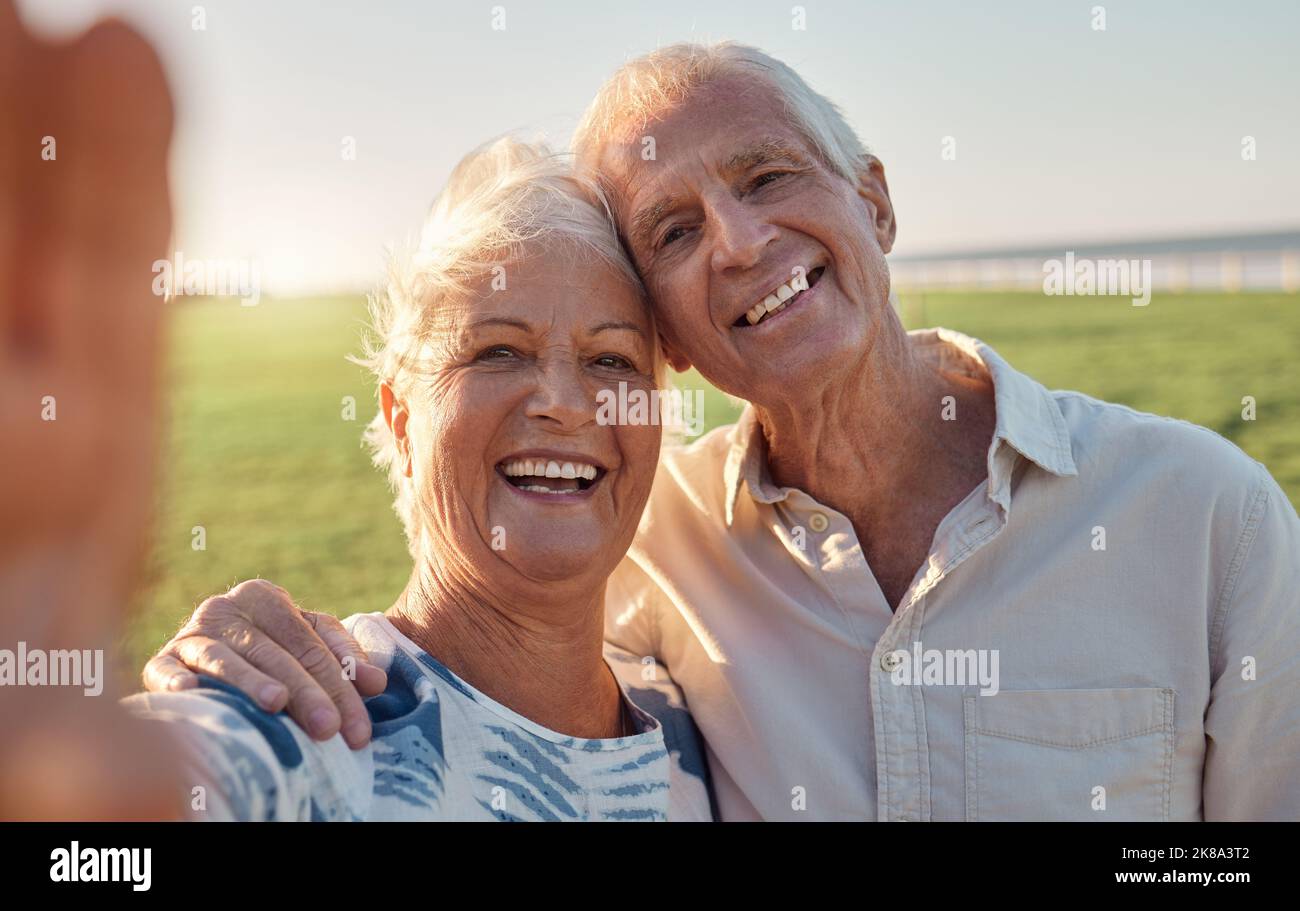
(84,212)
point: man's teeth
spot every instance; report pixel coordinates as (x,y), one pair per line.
(541,468)
(777,300)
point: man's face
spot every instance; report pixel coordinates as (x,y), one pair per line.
(735,205)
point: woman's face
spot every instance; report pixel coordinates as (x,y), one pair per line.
(511,400)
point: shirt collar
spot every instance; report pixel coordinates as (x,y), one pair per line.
(747,464)
(1028,421)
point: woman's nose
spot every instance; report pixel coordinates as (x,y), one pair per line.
(562,397)
(739,234)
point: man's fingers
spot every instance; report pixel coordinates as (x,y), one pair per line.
(260,621)
(255,638)
(272,610)
(217,659)
(315,657)
(314,707)
(370,680)
(164,673)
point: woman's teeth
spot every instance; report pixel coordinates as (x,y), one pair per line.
(557,477)
(541,468)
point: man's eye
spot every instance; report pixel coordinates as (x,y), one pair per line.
(763,180)
(496,353)
(672,234)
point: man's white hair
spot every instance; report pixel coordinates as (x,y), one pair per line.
(647,87)
(505,200)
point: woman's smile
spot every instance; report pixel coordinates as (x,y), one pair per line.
(552,477)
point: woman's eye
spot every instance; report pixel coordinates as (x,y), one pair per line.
(496,353)
(613,362)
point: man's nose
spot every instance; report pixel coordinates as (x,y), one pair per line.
(561,397)
(740,234)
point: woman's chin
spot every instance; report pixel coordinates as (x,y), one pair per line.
(551,555)
(554,542)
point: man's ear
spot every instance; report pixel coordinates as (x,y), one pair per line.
(395,416)
(873,189)
(674,357)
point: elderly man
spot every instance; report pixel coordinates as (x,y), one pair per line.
(910,583)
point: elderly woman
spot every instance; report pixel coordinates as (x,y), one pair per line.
(501,702)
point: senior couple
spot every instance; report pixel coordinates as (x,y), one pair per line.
(736,628)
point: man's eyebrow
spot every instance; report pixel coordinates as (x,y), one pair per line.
(763,152)
(645,221)
(771,149)
(617,325)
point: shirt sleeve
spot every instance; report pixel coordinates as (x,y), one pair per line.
(652,688)
(630,604)
(245,764)
(1252,724)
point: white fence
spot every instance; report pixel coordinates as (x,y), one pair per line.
(1219,270)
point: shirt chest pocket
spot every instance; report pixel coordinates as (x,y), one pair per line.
(1081,755)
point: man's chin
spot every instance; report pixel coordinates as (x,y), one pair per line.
(787,372)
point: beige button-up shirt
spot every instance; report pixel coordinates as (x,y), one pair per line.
(1108,628)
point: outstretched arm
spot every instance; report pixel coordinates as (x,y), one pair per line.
(84,212)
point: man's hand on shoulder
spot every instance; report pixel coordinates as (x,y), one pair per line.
(255,638)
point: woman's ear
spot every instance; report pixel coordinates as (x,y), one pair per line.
(873,189)
(395,415)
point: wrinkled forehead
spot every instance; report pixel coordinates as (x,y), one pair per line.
(727,125)
(554,284)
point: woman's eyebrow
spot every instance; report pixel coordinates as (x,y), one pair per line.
(500,321)
(612,326)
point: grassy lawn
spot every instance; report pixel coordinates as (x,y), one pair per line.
(1193,356)
(261,455)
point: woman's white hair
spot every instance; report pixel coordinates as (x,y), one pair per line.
(505,199)
(646,87)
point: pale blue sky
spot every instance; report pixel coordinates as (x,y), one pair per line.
(1062,133)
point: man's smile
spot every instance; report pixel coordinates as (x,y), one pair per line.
(785,296)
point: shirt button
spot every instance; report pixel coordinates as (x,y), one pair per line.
(889,661)
(818,522)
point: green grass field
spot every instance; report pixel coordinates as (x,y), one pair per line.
(260,455)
